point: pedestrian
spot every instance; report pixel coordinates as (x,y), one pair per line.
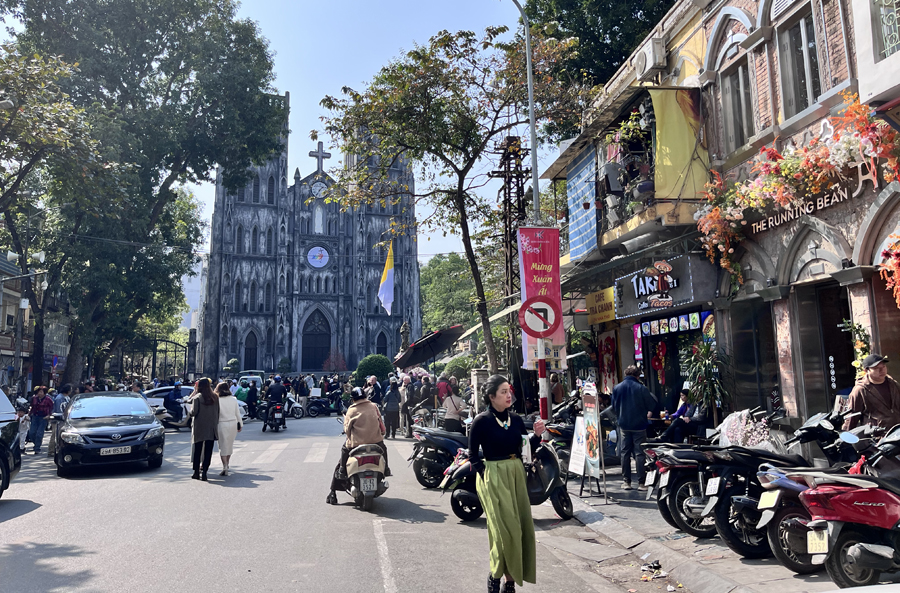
(310,382)
(454,404)
(59,404)
(634,405)
(229,424)
(876,396)
(426,393)
(392,402)
(41,409)
(557,392)
(136,387)
(501,435)
(205,412)
(442,387)
(233,387)
(252,398)
(680,420)
(406,391)
(373,391)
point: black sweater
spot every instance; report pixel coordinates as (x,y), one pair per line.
(496,442)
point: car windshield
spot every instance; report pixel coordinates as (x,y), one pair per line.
(109,405)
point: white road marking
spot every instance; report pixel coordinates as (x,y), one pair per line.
(270,454)
(385,561)
(317,453)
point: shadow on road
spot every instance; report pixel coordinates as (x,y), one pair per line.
(12,508)
(405,511)
(238,480)
(24,564)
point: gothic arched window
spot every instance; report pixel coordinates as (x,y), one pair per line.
(381,344)
(254,241)
(370,251)
(254,298)
(318,285)
(240,194)
(234,342)
(270,242)
(270,341)
(290,283)
(270,191)
(239,240)
(290,248)
(238,297)
(268,297)
(256,190)
(281,284)
(319,221)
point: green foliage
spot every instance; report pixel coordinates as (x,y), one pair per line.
(232,366)
(284,365)
(460,367)
(373,364)
(705,370)
(447,294)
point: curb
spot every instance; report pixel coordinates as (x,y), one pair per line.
(696,577)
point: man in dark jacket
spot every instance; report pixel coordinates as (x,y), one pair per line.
(876,396)
(392,401)
(276,395)
(633,404)
(252,398)
(373,391)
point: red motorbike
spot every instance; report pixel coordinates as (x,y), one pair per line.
(855,527)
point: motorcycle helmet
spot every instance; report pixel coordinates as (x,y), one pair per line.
(278,378)
(177,384)
(358,393)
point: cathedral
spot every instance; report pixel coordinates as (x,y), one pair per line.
(292,277)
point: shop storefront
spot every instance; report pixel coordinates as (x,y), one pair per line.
(663,310)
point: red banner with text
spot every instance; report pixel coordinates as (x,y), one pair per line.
(539,279)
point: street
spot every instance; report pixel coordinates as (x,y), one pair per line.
(265,528)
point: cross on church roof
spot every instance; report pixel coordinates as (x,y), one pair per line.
(320,155)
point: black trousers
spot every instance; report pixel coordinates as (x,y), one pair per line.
(392,423)
(339,479)
(204,449)
(409,421)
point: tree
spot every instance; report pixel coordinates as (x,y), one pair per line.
(373,364)
(446,292)
(441,108)
(284,365)
(460,367)
(335,362)
(232,366)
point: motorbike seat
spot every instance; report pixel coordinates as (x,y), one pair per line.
(789,460)
(455,436)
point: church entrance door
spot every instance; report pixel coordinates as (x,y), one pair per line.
(316,342)
(250,351)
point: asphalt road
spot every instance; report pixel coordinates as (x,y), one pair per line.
(265,528)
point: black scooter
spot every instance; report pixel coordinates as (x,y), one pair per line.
(333,404)
(434,452)
(543,480)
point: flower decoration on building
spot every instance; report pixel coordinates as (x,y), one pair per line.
(861,344)
(658,362)
(786,180)
(890,267)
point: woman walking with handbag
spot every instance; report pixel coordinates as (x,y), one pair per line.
(229,424)
(205,414)
(501,434)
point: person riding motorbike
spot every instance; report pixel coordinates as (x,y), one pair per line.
(363,426)
(275,395)
(172,404)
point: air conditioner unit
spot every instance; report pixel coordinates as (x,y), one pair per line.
(650,59)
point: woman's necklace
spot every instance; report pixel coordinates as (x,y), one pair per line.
(505,425)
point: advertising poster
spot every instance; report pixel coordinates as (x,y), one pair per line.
(638,351)
(539,278)
(591,429)
(607,361)
(576,458)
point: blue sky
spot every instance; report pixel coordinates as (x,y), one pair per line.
(321,47)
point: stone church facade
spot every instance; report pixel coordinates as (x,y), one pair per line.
(291,276)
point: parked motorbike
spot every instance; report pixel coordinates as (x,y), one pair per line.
(543,480)
(293,408)
(168,420)
(854,528)
(433,452)
(333,404)
(274,418)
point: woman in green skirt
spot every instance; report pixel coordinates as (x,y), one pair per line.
(500,434)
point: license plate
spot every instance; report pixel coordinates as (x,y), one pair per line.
(115,451)
(278,415)
(769,499)
(664,479)
(651,476)
(817,542)
(712,487)
(368,484)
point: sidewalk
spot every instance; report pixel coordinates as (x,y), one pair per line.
(701,565)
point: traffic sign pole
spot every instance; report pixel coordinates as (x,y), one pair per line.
(543,381)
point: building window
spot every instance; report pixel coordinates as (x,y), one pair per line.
(381,344)
(254,298)
(270,243)
(270,191)
(290,283)
(234,341)
(799,66)
(268,300)
(270,341)
(240,194)
(238,299)
(239,240)
(318,285)
(886,28)
(254,241)
(281,284)
(256,190)
(319,221)
(737,106)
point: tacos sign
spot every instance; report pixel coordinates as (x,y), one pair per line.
(665,283)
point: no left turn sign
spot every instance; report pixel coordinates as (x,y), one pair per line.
(539,317)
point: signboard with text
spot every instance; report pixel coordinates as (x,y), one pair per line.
(601,306)
(541,291)
(664,284)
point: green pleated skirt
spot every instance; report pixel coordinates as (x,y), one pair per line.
(504,496)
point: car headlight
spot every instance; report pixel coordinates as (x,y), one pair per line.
(72,437)
(155,432)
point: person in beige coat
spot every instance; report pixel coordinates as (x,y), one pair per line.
(229,424)
(363,426)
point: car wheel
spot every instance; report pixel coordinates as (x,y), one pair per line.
(155,462)
(62,472)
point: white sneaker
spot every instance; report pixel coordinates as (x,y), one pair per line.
(626,486)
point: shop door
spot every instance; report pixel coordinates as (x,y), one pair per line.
(826,351)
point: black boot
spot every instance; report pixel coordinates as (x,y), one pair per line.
(196,476)
(493,584)
(203,476)
(509,587)
(332,498)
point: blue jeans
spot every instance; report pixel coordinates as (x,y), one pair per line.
(631,446)
(36,432)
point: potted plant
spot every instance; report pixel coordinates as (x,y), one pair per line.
(704,370)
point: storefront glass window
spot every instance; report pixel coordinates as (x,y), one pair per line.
(887,319)
(754,357)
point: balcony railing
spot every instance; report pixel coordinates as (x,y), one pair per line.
(887,28)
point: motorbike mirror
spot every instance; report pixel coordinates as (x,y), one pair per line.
(849,437)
